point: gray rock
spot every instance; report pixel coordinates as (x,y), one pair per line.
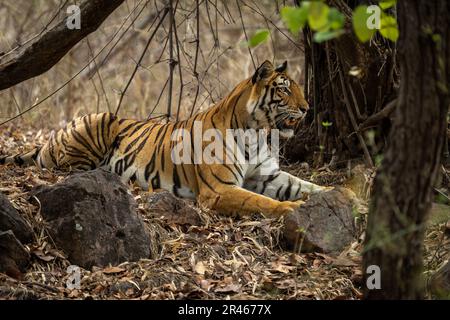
(10,219)
(325,223)
(14,258)
(92,217)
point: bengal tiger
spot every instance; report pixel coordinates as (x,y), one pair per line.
(141,151)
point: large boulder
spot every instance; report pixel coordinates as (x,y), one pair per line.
(14,258)
(10,219)
(324,223)
(92,217)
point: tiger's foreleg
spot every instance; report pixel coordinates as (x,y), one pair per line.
(282,186)
(234,200)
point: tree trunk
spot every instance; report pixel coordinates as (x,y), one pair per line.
(342,100)
(403,187)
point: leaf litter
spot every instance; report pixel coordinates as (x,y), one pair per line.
(221,258)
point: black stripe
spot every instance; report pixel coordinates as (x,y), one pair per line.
(119,167)
(150,167)
(287,193)
(81,140)
(176,181)
(88,124)
(156,184)
(221,180)
(278,192)
(205,182)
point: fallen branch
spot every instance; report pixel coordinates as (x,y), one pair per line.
(377,117)
(43,52)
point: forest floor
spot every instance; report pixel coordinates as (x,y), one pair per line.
(222,258)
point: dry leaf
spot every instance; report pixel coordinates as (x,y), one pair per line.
(200,268)
(111,270)
(229,288)
(280,267)
(45,257)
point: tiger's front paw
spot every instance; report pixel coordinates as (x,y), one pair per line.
(287,207)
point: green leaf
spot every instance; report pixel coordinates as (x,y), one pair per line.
(327,124)
(359,19)
(318,16)
(322,36)
(335,19)
(389,28)
(259,37)
(294,18)
(386,4)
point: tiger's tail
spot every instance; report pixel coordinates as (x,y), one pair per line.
(22,159)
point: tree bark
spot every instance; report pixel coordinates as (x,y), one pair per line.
(403,187)
(42,53)
(342,100)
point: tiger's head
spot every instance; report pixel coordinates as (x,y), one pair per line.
(276,100)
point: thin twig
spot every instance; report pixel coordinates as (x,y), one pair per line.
(353,121)
(141,57)
(97,70)
(245,33)
(179,67)
(197,45)
(171,60)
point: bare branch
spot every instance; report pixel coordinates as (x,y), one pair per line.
(43,52)
(138,64)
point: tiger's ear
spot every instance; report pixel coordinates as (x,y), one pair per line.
(264,71)
(282,67)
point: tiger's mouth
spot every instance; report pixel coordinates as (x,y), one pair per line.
(288,125)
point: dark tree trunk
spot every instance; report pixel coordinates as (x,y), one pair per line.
(342,101)
(403,187)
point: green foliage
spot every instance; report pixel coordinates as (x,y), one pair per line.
(318,16)
(294,18)
(378,160)
(328,22)
(322,36)
(389,27)
(336,19)
(359,20)
(327,124)
(259,37)
(386,4)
